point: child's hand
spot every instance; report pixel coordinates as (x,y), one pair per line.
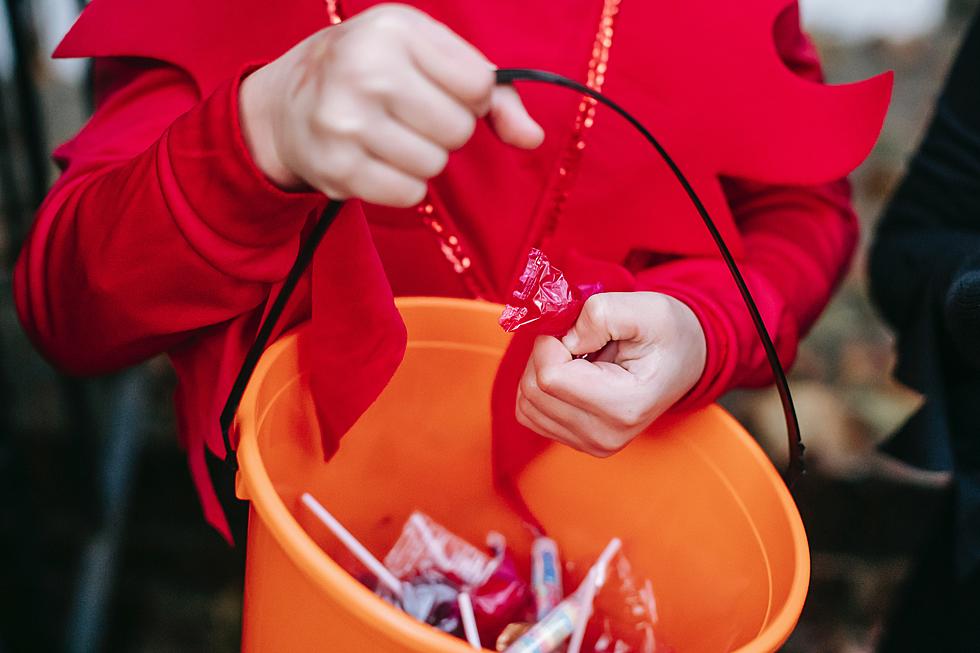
(653,352)
(371,107)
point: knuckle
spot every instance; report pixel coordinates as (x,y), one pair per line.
(392,19)
(364,58)
(390,24)
(548,379)
(626,419)
(321,123)
(606,445)
(479,85)
(393,9)
(376,85)
(349,127)
(331,121)
(596,309)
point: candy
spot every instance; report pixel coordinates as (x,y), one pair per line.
(569,615)
(504,598)
(544,301)
(424,546)
(511,634)
(545,575)
(428,551)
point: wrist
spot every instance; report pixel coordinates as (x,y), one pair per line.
(689,324)
(711,349)
(256,120)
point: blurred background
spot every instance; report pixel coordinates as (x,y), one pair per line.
(102,546)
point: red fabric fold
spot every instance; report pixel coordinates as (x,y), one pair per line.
(359,337)
(514,445)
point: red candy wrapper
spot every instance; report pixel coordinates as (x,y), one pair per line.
(504,598)
(544,301)
(427,553)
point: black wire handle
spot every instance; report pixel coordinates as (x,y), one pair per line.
(795,467)
(303,259)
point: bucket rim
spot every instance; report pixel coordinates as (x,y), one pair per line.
(781,624)
(254,485)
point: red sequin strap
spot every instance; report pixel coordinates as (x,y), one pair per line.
(598,64)
(451,247)
(333,11)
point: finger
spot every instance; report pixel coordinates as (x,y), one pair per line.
(602,320)
(379,183)
(549,361)
(454,65)
(528,415)
(548,351)
(598,388)
(435,115)
(404,149)
(592,387)
(569,416)
(607,354)
(511,121)
(539,422)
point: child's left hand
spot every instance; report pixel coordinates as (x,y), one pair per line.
(653,352)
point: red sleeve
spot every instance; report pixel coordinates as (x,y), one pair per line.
(160,224)
(798,244)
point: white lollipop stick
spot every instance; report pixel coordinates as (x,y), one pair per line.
(469,620)
(594,581)
(360,552)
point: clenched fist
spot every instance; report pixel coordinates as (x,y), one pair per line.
(652,351)
(371,107)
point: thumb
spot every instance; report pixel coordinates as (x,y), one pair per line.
(592,330)
(549,352)
(513,124)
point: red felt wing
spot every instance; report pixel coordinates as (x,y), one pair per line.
(709,82)
(208,40)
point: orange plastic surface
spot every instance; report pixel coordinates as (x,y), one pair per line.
(699,507)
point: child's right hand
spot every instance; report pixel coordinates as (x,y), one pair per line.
(371,107)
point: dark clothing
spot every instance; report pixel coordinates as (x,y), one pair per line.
(925,277)
(937,610)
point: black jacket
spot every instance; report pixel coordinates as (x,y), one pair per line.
(925,278)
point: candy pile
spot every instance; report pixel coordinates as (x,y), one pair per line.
(479,595)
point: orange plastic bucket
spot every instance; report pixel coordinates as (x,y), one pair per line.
(701,510)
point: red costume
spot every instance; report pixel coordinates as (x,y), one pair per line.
(161,235)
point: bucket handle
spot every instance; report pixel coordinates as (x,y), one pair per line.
(794,468)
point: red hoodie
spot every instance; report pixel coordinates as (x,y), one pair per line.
(161,235)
